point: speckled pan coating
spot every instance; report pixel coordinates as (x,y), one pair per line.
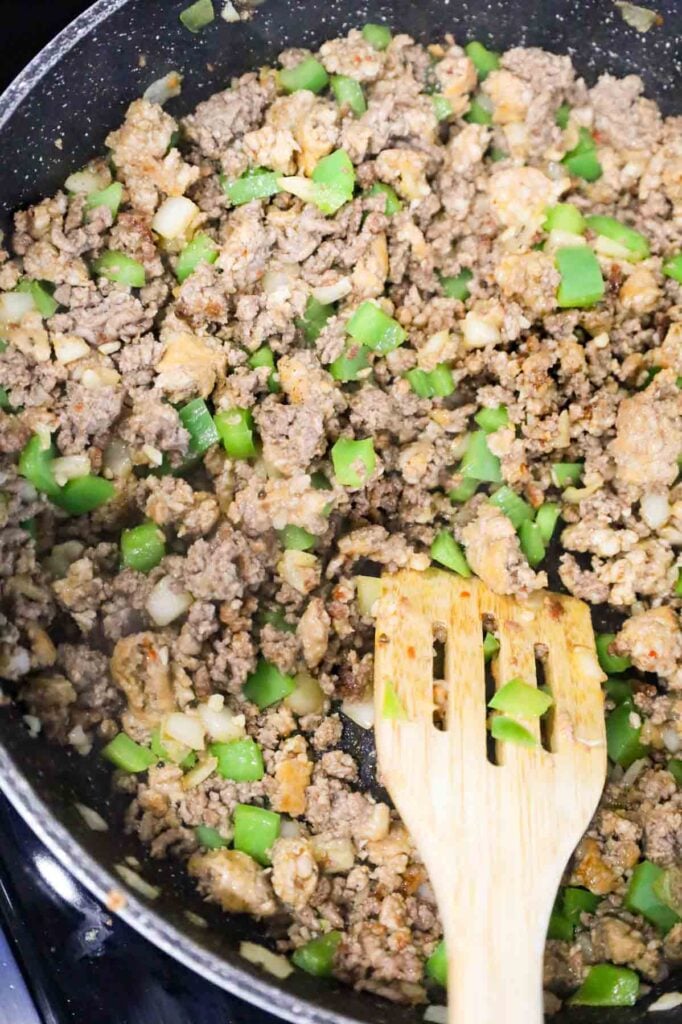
(53,118)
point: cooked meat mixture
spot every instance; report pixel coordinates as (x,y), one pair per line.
(386,296)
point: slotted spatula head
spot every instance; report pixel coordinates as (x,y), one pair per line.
(494,826)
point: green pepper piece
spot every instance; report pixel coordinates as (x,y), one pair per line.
(606,985)
(479,462)
(420,382)
(442,381)
(559,927)
(672,267)
(480,111)
(317,956)
(532,544)
(198,15)
(209,838)
(320,482)
(508,731)
(240,760)
(618,690)
(31,527)
(484,60)
(349,364)
(267,685)
(512,504)
(353,461)
(446,551)
(348,93)
(118,267)
(613,664)
(578,901)
(642,899)
(198,422)
(307,74)
(442,107)
(41,295)
(258,183)
(465,490)
(314,318)
(582,284)
(674,766)
(127,754)
(437,965)
(295,538)
(255,831)
(393,204)
(622,738)
(491,646)
(392,707)
(546,518)
(491,419)
(337,172)
(520,699)
(202,249)
(35,464)
(377,330)
(84,494)
(378,36)
(142,547)
(562,115)
(235,427)
(457,287)
(564,217)
(565,473)
(264,356)
(5,403)
(582,162)
(632,240)
(110,197)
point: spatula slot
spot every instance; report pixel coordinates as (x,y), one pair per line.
(489,625)
(440,686)
(546,721)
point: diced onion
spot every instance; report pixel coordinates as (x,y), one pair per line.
(289,829)
(298,569)
(91,818)
(327,293)
(641,18)
(334,855)
(69,467)
(279,282)
(307,698)
(668,1001)
(359,711)
(271,962)
(195,776)
(164,89)
(68,348)
(574,495)
(672,739)
(368,589)
(299,186)
(221,724)
(165,603)
(96,377)
(186,729)
(479,332)
(86,181)
(558,239)
(13,306)
(136,881)
(655,509)
(436,1015)
(611,249)
(230,12)
(174,217)
(116,461)
(634,771)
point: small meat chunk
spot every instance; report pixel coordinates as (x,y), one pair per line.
(653,640)
(139,667)
(234,881)
(292,435)
(622,116)
(294,871)
(494,554)
(649,434)
(313,632)
(292,777)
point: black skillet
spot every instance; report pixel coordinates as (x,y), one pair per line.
(52,119)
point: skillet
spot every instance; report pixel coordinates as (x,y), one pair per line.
(53,118)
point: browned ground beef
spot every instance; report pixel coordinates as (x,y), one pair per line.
(105,377)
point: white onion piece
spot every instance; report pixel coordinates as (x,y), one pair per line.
(221,724)
(299,570)
(277,282)
(165,603)
(368,589)
(69,467)
(634,771)
(68,348)
(289,829)
(307,698)
(186,729)
(641,18)
(13,305)
(672,739)
(359,711)
(611,249)
(136,881)
(334,855)
(164,89)
(201,771)
(299,186)
(91,818)
(558,239)
(655,509)
(271,962)
(86,181)
(479,332)
(116,461)
(230,12)
(668,1001)
(174,217)
(436,1015)
(326,293)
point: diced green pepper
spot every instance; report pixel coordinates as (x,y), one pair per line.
(565,473)
(508,731)
(353,461)
(420,382)
(484,60)
(295,538)
(622,738)
(632,240)
(457,287)
(84,494)
(520,699)
(198,15)
(198,422)
(377,330)
(31,527)
(559,927)
(317,956)
(606,985)
(5,403)
(479,462)
(209,838)
(582,284)
(437,965)
(672,267)
(674,766)
(436,383)
(392,707)
(128,755)
(512,504)
(378,36)
(641,898)
(314,318)
(267,685)
(142,547)
(442,107)
(480,111)
(564,217)
(348,365)
(668,888)
(491,646)
(255,831)
(258,183)
(618,690)
(202,249)
(582,162)
(393,204)
(320,482)
(465,490)
(491,419)
(235,427)
(578,901)
(307,74)
(546,518)
(275,617)
(118,267)
(240,760)
(446,551)
(264,356)
(613,664)
(348,93)
(532,544)
(35,464)
(336,171)
(110,197)
(41,295)
(562,115)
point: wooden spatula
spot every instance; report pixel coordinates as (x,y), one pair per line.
(494,837)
